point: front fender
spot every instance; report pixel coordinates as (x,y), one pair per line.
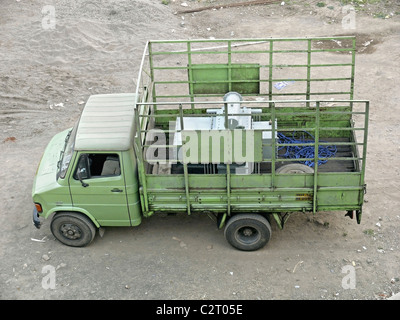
(73,209)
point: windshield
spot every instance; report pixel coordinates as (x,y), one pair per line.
(66,154)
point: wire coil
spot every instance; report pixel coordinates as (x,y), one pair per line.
(299,152)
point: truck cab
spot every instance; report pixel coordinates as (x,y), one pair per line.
(87,176)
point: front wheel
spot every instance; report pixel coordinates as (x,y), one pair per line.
(72,229)
(248,232)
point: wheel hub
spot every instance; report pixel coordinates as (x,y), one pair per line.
(247,235)
(247,232)
(71,231)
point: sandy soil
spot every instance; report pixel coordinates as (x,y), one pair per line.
(95,47)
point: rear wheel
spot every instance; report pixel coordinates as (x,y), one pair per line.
(73,229)
(248,232)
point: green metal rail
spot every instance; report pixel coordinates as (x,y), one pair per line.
(186,59)
(311,185)
(176,80)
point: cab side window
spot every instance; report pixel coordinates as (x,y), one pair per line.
(98,165)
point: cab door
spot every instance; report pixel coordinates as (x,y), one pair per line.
(97,185)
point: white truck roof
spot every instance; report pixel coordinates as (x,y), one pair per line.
(107,123)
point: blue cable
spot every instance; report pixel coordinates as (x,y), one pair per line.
(297,152)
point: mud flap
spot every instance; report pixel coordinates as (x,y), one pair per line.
(350,214)
(358,216)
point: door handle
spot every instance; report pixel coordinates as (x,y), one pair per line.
(116,190)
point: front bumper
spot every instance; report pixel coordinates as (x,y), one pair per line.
(36,220)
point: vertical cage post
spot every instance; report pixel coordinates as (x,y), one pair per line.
(138,145)
(185,168)
(191,84)
(316,156)
(228,166)
(353,63)
(308,72)
(229,66)
(274,147)
(151,65)
(271,48)
(364,155)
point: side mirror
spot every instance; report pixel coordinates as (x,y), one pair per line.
(79,175)
(82,170)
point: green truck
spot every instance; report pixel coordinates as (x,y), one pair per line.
(247,130)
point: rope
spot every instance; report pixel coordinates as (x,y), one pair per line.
(297,152)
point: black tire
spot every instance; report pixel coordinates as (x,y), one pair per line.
(248,232)
(295,168)
(73,229)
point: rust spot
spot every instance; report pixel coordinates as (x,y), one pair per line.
(12,139)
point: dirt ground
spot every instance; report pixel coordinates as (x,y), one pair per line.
(47,73)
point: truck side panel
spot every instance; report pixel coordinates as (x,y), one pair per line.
(250,193)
